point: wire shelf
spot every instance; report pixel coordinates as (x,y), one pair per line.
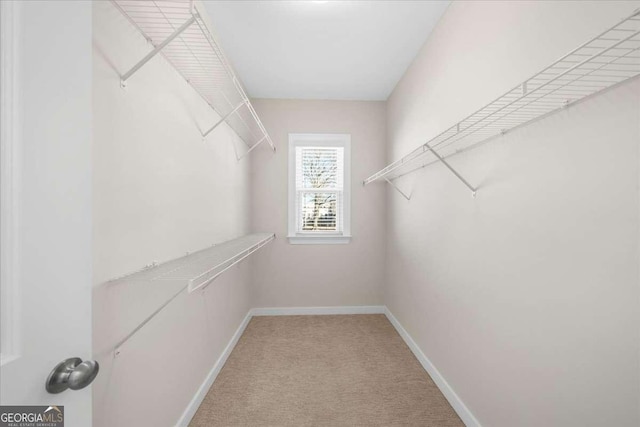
(137,298)
(607,60)
(177,30)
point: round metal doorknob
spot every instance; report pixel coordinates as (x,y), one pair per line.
(72,373)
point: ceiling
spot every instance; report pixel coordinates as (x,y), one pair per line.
(322,49)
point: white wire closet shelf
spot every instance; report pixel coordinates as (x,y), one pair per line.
(604,61)
(176,30)
(136,299)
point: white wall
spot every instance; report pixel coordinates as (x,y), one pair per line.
(288,275)
(159,191)
(526,298)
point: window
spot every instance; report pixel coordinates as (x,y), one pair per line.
(319,188)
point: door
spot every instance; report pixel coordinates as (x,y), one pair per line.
(45,123)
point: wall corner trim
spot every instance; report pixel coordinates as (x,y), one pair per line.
(292,311)
(454,400)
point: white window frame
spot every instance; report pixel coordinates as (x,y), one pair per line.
(320,140)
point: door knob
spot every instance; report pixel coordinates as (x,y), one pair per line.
(72,373)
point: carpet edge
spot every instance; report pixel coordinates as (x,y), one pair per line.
(454,400)
(202,391)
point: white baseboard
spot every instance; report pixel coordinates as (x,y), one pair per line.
(291,311)
(193,406)
(454,400)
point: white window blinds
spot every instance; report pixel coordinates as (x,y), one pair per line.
(319,189)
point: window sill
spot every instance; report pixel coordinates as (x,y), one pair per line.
(319,240)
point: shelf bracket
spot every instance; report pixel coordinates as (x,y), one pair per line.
(223,119)
(156,50)
(395,187)
(117,349)
(201,281)
(444,162)
(253,146)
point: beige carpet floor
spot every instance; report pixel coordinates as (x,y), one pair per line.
(352,370)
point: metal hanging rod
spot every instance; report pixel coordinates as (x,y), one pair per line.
(179,33)
(192,272)
(205,279)
(603,62)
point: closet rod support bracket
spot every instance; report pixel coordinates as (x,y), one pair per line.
(395,187)
(253,147)
(455,172)
(224,118)
(156,50)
